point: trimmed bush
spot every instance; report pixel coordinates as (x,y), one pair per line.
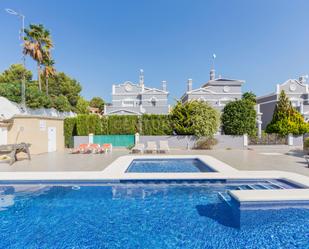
(195,118)
(69,131)
(122,124)
(155,125)
(239,117)
(205,143)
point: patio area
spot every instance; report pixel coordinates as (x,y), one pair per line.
(255,158)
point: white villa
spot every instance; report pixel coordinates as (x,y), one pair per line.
(136,99)
(217,91)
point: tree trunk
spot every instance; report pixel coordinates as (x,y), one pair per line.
(39,76)
(46,83)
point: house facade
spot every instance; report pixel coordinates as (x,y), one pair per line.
(296,90)
(217,91)
(136,99)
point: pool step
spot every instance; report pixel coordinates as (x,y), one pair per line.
(225,197)
(275,186)
(261,186)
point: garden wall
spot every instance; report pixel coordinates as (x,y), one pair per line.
(298,141)
(183,142)
(179,142)
(80,140)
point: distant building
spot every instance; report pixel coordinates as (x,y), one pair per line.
(296,90)
(137,99)
(217,91)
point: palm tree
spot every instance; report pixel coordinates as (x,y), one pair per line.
(49,70)
(38,44)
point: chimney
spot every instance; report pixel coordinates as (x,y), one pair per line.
(302,79)
(141,77)
(164,85)
(189,85)
(212,74)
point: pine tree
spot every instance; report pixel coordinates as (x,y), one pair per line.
(286,119)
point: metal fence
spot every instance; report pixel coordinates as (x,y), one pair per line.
(115,140)
(268,139)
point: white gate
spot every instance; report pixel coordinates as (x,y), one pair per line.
(52,139)
(3,135)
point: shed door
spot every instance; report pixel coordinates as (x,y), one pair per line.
(3,135)
(52,139)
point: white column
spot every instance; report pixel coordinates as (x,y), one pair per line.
(290,139)
(259,128)
(90,138)
(301,107)
(136,138)
(245,140)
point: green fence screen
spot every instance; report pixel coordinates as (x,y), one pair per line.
(115,140)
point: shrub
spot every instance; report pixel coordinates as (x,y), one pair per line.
(37,99)
(11,91)
(97,102)
(195,118)
(286,119)
(82,106)
(122,124)
(155,125)
(205,143)
(239,117)
(69,131)
(61,103)
(306,143)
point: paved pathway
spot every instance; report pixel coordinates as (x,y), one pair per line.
(254,159)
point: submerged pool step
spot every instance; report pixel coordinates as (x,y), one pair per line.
(260,186)
(225,197)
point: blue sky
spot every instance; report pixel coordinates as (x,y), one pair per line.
(263,42)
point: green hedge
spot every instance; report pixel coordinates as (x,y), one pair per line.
(83,124)
(122,125)
(88,123)
(104,126)
(69,131)
(155,125)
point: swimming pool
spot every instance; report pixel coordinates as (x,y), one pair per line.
(142,215)
(185,165)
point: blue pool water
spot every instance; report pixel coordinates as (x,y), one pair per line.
(168,165)
(141,216)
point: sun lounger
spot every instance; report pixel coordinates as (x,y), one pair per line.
(82,148)
(13,149)
(95,148)
(163,146)
(106,148)
(138,148)
(151,147)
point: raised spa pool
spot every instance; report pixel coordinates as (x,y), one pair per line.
(168,166)
(141,215)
